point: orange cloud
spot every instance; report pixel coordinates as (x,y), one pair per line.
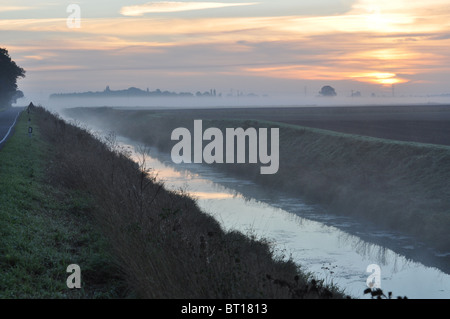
(13,8)
(55,68)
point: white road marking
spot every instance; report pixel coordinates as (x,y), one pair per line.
(10,128)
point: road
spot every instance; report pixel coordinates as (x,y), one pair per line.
(7,121)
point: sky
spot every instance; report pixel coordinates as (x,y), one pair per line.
(261,46)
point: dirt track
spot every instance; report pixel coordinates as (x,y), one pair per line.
(425,124)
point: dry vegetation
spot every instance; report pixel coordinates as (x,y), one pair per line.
(164,245)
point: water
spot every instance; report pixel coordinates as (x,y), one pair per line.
(319,242)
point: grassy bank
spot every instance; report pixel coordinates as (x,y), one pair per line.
(44,229)
(402,186)
(165,246)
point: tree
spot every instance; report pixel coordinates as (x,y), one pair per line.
(327,91)
(9,73)
(16,96)
(356,94)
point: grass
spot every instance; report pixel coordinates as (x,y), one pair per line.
(44,229)
(402,186)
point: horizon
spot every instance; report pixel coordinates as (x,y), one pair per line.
(283,49)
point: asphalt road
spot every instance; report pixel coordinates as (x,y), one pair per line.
(7,122)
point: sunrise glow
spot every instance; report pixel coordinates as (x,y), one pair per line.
(189,45)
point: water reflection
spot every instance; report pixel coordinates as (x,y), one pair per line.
(299,231)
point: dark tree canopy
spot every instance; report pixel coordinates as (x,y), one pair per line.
(327,91)
(9,73)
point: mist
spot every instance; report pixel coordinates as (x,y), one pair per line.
(228,102)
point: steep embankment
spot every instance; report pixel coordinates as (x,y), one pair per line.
(163,244)
(399,185)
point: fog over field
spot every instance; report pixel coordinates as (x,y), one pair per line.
(242,101)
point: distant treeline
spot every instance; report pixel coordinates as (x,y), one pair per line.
(133,92)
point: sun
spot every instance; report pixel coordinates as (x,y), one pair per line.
(389,81)
(383,78)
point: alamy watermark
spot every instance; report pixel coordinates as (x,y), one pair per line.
(74,280)
(74,19)
(231,148)
(374,279)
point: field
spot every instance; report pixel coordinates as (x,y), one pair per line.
(417,123)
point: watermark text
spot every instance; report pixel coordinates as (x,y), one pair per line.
(231,148)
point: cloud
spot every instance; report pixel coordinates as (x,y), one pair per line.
(34,57)
(13,8)
(54,68)
(166,6)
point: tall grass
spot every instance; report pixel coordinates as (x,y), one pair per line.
(402,186)
(164,244)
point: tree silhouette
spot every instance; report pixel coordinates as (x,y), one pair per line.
(9,73)
(327,91)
